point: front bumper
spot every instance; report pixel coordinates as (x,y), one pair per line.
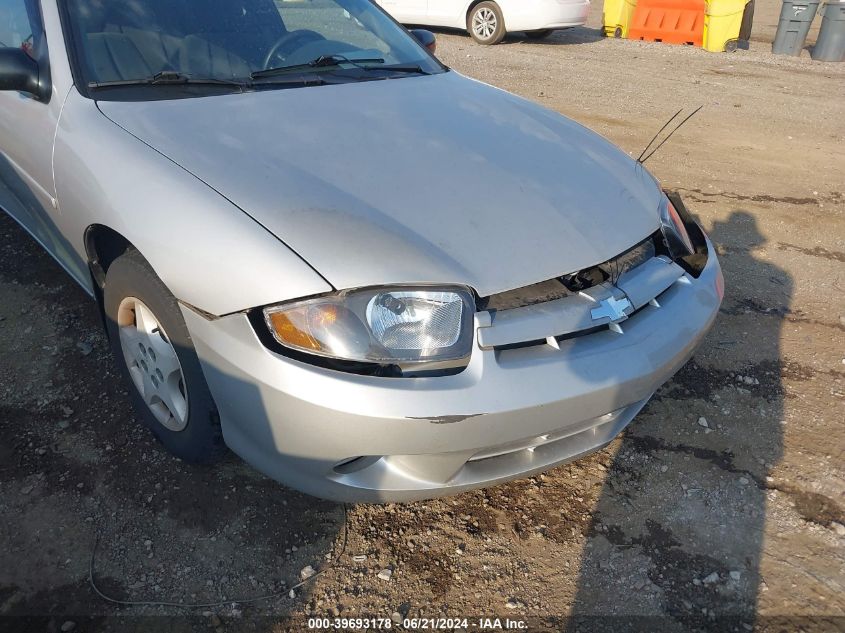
(509,414)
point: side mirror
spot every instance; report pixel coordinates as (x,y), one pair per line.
(18,71)
(426,38)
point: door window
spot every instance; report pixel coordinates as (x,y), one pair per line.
(15,25)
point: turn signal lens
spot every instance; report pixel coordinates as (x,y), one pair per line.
(326,329)
(287,332)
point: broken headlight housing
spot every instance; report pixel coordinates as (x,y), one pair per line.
(674,232)
(402,325)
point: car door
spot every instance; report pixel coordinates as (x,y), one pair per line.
(447,13)
(407,11)
(27,131)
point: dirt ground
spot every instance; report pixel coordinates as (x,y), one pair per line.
(721,507)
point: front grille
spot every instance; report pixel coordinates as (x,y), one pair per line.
(572,283)
(633,257)
(545,341)
(527,296)
(582,303)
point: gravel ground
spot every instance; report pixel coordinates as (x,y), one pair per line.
(721,507)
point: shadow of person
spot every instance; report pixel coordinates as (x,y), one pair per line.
(676,537)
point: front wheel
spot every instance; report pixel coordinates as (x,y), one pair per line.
(538,35)
(486,24)
(156,356)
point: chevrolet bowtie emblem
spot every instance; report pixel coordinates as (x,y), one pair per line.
(612,308)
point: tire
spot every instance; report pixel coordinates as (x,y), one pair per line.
(155,354)
(538,35)
(486,24)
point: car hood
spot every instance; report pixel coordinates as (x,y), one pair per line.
(436,179)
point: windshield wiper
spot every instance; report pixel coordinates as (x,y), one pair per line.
(400,68)
(323,61)
(170,78)
(330,61)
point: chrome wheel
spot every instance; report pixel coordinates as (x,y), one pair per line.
(484,23)
(153,364)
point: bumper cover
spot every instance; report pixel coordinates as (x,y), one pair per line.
(549,14)
(510,414)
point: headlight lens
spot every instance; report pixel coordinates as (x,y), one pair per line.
(674,230)
(379,325)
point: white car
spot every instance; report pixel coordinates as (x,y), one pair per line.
(487,21)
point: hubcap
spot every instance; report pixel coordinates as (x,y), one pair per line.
(153,364)
(484,23)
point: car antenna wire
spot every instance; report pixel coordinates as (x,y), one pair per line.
(644,157)
(219,603)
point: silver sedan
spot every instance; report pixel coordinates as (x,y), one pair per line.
(314,244)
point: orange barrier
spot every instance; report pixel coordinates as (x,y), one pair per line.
(671,21)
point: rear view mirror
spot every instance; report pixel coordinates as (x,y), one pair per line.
(18,71)
(426,38)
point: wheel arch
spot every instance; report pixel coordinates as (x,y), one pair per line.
(472,4)
(103,245)
(500,5)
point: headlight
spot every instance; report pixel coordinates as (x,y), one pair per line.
(674,231)
(379,325)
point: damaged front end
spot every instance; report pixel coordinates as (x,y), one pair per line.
(600,297)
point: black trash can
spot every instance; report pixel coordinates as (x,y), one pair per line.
(830,45)
(796,16)
(747,22)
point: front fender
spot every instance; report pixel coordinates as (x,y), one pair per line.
(207,251)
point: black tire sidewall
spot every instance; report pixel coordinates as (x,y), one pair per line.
(500,32)
(201,441)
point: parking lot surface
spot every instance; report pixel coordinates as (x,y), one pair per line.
(722,506)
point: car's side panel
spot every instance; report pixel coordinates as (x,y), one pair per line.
(27,130)
(407,11)
(532,15)
(208,252)
(27,190)
(449,13)
(27,127)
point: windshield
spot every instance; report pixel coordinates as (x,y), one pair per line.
(128,40)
